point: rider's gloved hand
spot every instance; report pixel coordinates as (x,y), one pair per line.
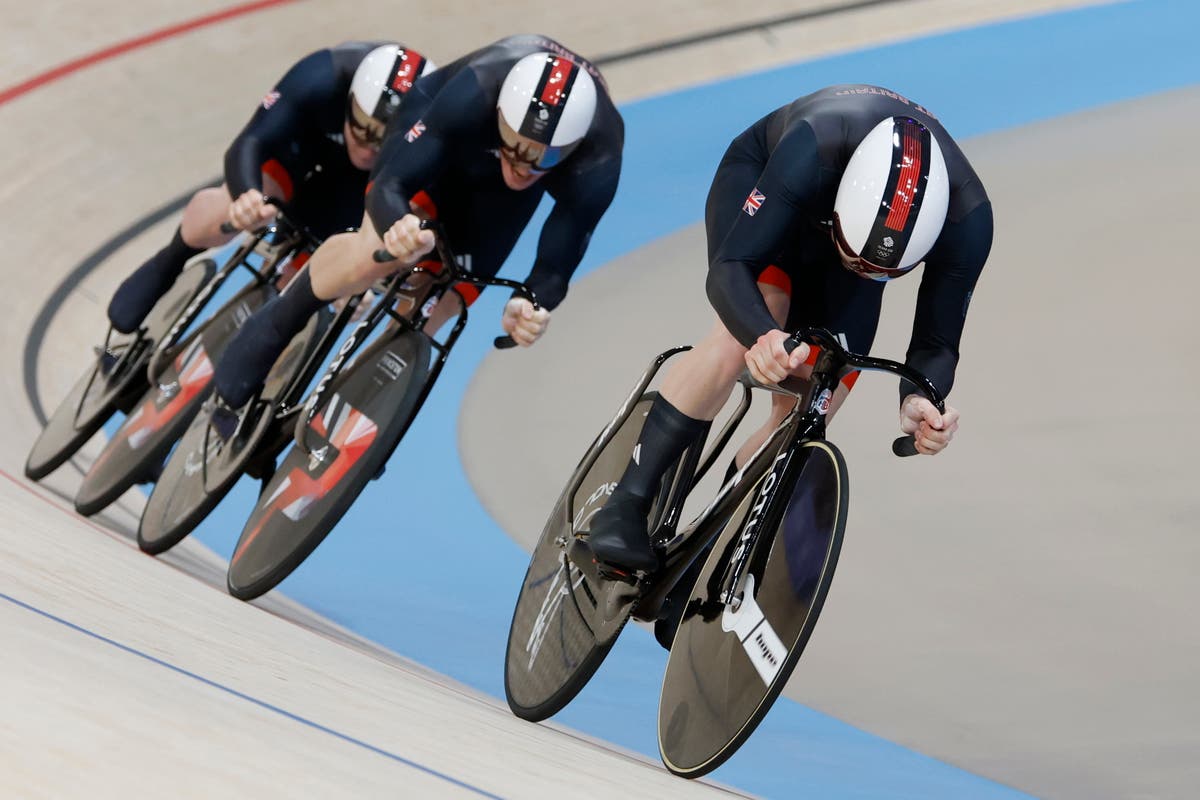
(769,362)
(524,323)
(250,210)
(930,430)
(406,240)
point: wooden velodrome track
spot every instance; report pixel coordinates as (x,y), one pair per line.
(90,625)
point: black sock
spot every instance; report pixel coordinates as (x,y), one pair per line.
(252,352)
(295,305)
(140,291)
(666,434)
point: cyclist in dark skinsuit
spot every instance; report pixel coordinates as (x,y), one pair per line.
(306,144)
(796,238)
(476,144)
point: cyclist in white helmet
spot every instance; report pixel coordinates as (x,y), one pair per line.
(476,145)
(812,210)
(310,143)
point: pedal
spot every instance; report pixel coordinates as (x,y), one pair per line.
(596,570)
(613,573)
(108,359)
(224,421)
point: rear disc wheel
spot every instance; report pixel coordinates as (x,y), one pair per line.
(366,413)
(565,622)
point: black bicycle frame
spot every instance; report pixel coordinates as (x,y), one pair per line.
(133,351)
(292,239)
(799,427)
(613,426)
(442,282)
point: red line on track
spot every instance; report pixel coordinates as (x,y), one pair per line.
(70,512)
(112,51)
(347,641)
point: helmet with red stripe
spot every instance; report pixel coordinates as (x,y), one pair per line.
(382,79)
(545,108)
(892,200)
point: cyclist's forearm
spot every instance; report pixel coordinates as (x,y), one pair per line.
(937,364)
(243,165)
(735,295)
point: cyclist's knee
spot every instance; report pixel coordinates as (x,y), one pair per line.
(203,214)
(363,245)
(723,352)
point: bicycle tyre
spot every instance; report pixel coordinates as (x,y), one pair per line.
(162,415)
(727,668)
(386,382)
(538,685)
(202,469)
(78,417)
(66,430)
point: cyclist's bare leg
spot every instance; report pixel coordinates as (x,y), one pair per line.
(700,381)
(447,308)
(344,265)
(209,208)
(198,231)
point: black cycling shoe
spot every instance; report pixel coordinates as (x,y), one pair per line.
(138,293)
(108,360)
(136,296)
(618,535)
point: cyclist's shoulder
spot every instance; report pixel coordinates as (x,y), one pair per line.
(318,75)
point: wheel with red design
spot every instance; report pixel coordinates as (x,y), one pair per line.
(135,452)
(204,468)
(369,406)
(113,381)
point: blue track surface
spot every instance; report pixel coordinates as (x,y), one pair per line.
(383,572)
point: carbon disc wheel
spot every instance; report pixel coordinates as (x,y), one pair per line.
(564,622)
(730,661)
(363,418)
(203,468)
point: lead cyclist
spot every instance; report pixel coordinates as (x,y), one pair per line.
(813,209)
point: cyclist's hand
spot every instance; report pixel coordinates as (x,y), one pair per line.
(524,323)
(931,431)
(406,241)
(250,211)
(769,362)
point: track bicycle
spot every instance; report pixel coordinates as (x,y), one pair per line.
(767,545)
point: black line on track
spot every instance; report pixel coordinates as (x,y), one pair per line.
(50,309)
(53,304)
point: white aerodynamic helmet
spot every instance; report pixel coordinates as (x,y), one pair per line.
(892,200)
(549,99)
(381,81)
